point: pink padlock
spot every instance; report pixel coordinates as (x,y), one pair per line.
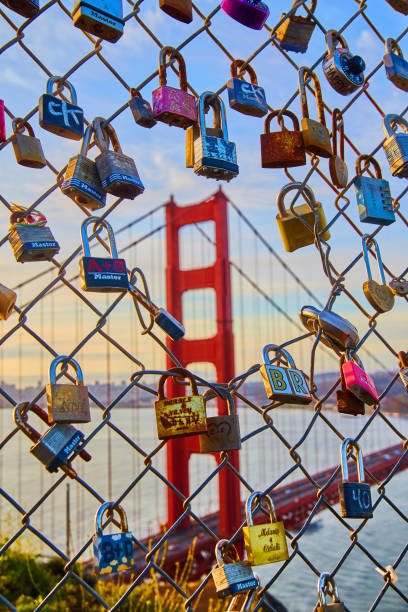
(2,122)
(171,105)
(359,382)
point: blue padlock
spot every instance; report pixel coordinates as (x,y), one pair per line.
(247,98)
(113,552)
(396,67)
(373,195)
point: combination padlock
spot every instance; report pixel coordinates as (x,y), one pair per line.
(373,194)
(223,433)
(337,332)
(244,97)
(67,403)
(283,384)
(337,165)
(316,136)
(113,552)
(182,10)
(81,180)
(355,497)
(295,32)
(26,8)
(403,372)
(231,575)
(347,402)
(250,13)
(27,148)
(101,274)
(102,18)
(141,109)
(60,117)
(29,237)
(396,145)
(179,416)
(357,381)
(264,543)
(344,71)
(325,580)
(379,295)
(7,300)
(396,66)
(283,149)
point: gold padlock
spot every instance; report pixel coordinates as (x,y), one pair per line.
(27,149)
(380,296)
(294,232)
(7,300)
(67,403)
(316,136)
(264,543)
(180,416)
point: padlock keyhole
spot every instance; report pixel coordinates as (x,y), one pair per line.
(356,65)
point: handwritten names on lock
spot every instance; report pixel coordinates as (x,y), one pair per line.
(103,274)
(180,416)
(61,117)
(271,546)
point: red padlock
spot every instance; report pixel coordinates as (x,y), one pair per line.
(359,382)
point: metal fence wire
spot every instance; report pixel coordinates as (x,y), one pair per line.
(146,463)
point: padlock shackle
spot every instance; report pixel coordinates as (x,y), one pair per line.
(109,230)
(332,38)
(222,557)
(182,73)
(390,121)
(312,6)
(276,348)
(323,582)
(304,72)
(63,359)
(258,496)
(305,191)
(371,160)
(110,508)
(366,238)
(237,64)
(392,46)
(337,118)
(86,139)
(57,80)
(19,125)
(403,359)
(105,134)
(279,114)
(208,98)
(224,395)
(181,373)
(354,357)
(349,443)
(20,417)
(135,93)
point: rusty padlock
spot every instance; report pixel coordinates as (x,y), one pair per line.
(283,149)
(27,149)
(182,10)
(337,165)
(223,433)
(67,403)
(348,402)
(296,31)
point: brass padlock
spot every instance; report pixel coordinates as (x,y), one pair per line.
(316,136)
(67,403)
(182,10)
(337,165)
(283,149)
(81,180)
(348,402)
(380,296)
(179,416)
(344,71)
(27,149)
(29,238)
(264,543)
(292,223)
(283,384)
(296,31)
(322,586)
(396,145)
(117,171)
(7,300)
(230,574)
(223,433)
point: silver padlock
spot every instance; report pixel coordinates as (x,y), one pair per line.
(396,66)
(243,602)
(344,71)
(396,145)
(231,575)
(336,331)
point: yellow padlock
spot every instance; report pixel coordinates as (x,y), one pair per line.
(264,543)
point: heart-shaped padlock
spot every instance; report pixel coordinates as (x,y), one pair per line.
(380,296)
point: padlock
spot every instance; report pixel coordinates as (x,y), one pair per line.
(337,165)
(295,32)
(322,584)
(283,384)
(141,109)
(336,330)
(101,274)
(344,71)
(67,403)
(399,286)
(403,373)
(380,296)
(250,13)
(265,543)
(102,18)
(113,552)
(355,497)
(117,171)
(373,194)
(231,575)
(214,157)
(316,136)
(7,300)
(27,149)
(294,233)
(283,149)
(81,180)
(56,445)
(170,105)
(193,132)
(243,602)
(179,416)
(399,5)
(396,66)
(357,381)
(182,10)
(348,402)
(30,239)
(2,122)
(169,324)
(26,8)
(244,97)
(60,117)
(223,433)
(396,145)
